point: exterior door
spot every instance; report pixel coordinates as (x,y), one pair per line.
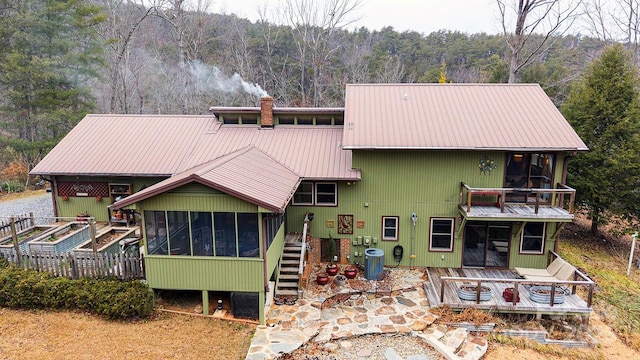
(486,245)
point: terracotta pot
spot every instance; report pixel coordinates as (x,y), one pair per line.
(350,272)
(322,278)
(332,270)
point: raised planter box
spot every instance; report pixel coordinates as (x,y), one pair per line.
(24,238)
(62,240)
(108,241)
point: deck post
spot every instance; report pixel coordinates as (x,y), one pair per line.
(14,238)
(33,222)
(590,295)
(469,201)
(516,285)
(92,232)
(442,290)
(553,294)
(478,290)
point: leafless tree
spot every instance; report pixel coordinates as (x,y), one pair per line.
(123,21)
(536,22)
(314,23)
(616,21)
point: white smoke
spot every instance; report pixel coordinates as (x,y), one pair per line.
(207,78)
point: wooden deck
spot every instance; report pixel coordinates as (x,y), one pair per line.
(516,210)
(497,281)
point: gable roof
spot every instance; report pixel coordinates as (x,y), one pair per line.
(511,117)
(248,174)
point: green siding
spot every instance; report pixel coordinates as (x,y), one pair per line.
(194,201)
(204,273)
(397,183)
(275,251)
(97,209)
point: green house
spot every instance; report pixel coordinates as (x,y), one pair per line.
(434,175)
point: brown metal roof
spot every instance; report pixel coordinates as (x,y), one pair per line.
(455,116)
(154,145)
(248,174)
(123,145)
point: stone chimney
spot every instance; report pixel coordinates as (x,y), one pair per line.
(266,111)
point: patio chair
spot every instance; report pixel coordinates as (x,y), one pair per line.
(550,271)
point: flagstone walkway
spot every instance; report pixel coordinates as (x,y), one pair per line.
(397,305)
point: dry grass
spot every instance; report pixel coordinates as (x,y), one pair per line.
(68,335)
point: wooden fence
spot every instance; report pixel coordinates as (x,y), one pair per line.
(74,266)
(21,222)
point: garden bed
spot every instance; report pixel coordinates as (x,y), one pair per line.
(107,241)
(62,240)
(24,238)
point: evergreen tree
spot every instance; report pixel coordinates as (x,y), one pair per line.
(46,56)
(604,110)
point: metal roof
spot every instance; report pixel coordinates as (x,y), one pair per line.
(126,145)
(164,145)
(455,117)
(249,174)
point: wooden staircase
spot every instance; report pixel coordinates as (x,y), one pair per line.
(288,279)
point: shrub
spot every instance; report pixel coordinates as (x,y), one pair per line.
(109,297)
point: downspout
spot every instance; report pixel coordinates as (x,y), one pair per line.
(264,254)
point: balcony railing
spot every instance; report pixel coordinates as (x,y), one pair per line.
(533,197)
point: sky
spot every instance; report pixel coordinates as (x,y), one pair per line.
(423,16)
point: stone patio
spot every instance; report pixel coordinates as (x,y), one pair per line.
(395,305)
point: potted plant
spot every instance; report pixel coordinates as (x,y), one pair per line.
(332,269)
(350,272)
(322,278)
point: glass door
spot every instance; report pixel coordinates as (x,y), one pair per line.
(486,245)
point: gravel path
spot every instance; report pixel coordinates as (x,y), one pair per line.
(40,204)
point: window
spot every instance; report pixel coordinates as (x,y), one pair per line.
(179,241)
(326,194)
(320,194)
(224,224)
(389,228)
(248,235)
(304,194)
(156,232)
(201,233)
(441,235)
(532,240)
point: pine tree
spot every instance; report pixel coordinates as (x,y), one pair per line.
(604,110)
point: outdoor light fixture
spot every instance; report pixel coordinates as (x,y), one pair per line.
(414,218)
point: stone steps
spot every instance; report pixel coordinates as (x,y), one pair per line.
(455,343)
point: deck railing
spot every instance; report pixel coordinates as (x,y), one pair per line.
(556,196)
(585,281)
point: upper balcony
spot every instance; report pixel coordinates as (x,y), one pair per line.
(517,203)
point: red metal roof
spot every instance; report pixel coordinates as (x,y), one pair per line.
(455,116)
(248,174)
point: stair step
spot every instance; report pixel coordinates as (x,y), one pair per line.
(288,277)
(291,255)
(288,284)
(289,269)
(287,292)
(292,248)
(290,262)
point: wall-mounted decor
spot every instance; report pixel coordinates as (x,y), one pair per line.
(486,165)
(331,223)
(360,224)
(84,189)
(345,224)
